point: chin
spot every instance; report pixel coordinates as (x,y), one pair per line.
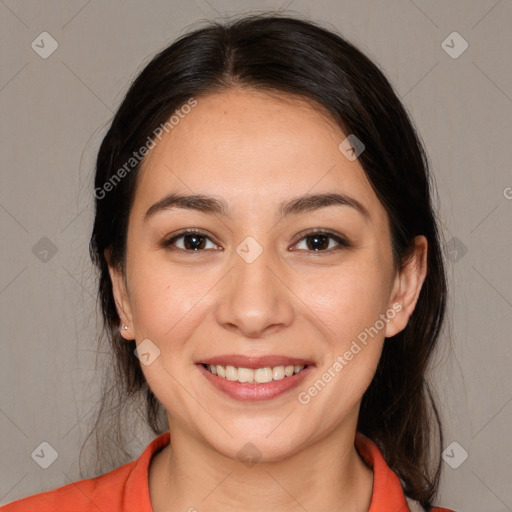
(258,443)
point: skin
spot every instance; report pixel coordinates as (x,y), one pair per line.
(255,150)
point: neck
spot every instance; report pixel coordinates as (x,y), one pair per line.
(193,476)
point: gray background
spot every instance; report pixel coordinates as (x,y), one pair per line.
(54,113)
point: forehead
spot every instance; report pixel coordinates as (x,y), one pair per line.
(246,144)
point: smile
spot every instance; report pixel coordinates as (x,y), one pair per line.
(254,376)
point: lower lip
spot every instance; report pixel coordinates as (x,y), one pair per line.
(255,392)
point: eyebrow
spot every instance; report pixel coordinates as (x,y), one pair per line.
(296,205)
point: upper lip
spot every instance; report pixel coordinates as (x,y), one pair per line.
(253,362)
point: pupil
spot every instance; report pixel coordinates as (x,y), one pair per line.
(196,242)
(318,239)
(318,242)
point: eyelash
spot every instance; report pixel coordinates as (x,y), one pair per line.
(342,242)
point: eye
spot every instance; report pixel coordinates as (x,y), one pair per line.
(320,241)
(193,241)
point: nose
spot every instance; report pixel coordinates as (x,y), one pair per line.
(255,298)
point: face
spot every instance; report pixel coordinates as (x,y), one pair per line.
(268,280)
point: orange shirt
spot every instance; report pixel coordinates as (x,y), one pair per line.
(125,489)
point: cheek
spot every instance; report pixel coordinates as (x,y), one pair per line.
(350,304)
(350,355)
(340,387)
(347,299)
(167,308)
(164,299)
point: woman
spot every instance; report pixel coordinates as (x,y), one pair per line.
(271,277)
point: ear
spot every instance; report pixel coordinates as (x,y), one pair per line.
(407,287)
(121,298)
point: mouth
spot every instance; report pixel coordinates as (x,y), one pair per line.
(261,375)
(258,378)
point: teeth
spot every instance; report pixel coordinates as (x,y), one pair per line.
(288,370)
(231,373)
(244,374)
(263,375)
(259,376)
(278,373)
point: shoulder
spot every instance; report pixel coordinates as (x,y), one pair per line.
(415,506)
(388,491)
(80,496)
(125,485)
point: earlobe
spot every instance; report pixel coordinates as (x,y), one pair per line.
(122,301)
(407,287)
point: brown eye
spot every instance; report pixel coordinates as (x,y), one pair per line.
(320,241)
(193,240)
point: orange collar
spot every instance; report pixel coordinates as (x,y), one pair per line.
(126,488)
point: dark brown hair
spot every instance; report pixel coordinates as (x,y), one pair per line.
(295,57)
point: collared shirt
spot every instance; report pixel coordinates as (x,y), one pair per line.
(126,488)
